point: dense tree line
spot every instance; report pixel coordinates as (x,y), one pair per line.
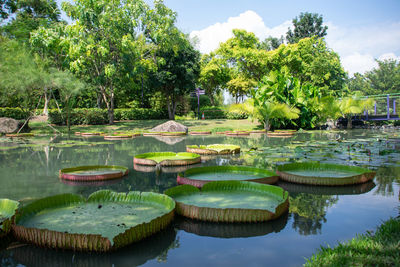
(127,54)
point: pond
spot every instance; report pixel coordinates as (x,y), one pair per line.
(318,215)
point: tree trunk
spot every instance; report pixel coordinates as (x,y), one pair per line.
(266,125)
(349,122)
(99,100)
(47,98)
(111,109)
(172,103)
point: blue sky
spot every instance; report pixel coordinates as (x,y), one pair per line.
(359,31)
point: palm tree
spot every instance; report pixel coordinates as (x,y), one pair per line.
(353,105)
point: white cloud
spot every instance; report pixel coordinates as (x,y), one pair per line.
(358,63)
(210,37)
(358,47)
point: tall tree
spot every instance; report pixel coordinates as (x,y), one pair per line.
(385,79)
(110,39)
(29,16)
(177,72)
(306,25)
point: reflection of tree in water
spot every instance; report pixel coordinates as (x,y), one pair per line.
(309,212)
(384,179)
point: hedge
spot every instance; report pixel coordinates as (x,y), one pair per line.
(15,113)
(93,116)
(213,113)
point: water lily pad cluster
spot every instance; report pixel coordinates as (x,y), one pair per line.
(167,158)
(93,173)
(215,149)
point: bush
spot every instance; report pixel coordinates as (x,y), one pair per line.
(121,114)
(93,116)
(213,113)
(79,116)
(14,113)
(237,112)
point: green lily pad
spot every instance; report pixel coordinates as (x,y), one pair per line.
(167,158)
(7,211)
(324,174)
(93,173)
(203,175)
(214,149)
(230,201)
(105,221)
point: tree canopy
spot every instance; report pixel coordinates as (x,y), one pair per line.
(306,25)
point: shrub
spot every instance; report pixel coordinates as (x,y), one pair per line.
(14,113)
(213,112)
(237,112)
(93,116)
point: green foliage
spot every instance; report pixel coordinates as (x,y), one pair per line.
(353,105)
(95,116)
(379,249)
(306,25)
(79,116)
(213,113)
(29,16)
(237,112)
(271,43)
(385,79)
(15,113)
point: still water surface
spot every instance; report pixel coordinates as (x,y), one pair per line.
(318,215)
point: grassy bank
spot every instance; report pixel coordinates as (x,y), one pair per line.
(379,249)
(144,125)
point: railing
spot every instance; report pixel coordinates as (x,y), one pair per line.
(382,111)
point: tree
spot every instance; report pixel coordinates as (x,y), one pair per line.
(112,41)
(353,105)
(271,43)
(386,78)
(178,73)
(244,62)
(6,8)
(306,25)
(311,61)
(213,75)
(29,16)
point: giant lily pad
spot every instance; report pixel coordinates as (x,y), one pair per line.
(203,175)
(230,201)
(167,158)
(316,173)
(214,149)
(200,132)
(105,221)
(7,211)
(93,173)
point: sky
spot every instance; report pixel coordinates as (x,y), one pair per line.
(360,31)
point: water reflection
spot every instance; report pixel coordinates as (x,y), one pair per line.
(309,211)
(155,247)
(231,230)
(327,190)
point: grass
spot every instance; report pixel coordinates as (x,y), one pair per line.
(145,125)
(379,249)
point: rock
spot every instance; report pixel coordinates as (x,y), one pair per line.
(170,126)
(9,125)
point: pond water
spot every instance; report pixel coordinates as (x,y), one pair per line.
(318,215)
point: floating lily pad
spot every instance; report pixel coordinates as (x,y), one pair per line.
(214,149)
(21,135)
(7,211)
(151,133)
(258,131)
(105,221)
(166,169)
(200,176)
(118,136)
(280,134)
(230,201)
(91,133)
(167,158)
(173,133)
(316,173)
(356,189)
(200,133)
(93,173)
(237,133)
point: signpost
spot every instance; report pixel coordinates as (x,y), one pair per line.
(198,92)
